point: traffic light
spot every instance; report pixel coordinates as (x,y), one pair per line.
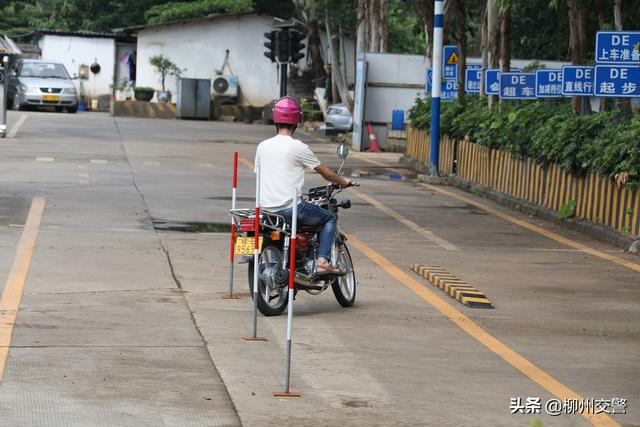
(271,45)
(282,46)
(295,45)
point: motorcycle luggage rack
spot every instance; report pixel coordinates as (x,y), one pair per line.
(268,219)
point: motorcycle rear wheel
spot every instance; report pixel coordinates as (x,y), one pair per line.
(270,258)
(344,287)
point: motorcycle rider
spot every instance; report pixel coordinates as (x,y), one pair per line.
(282,161)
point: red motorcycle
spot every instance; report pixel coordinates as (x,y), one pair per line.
(275,237)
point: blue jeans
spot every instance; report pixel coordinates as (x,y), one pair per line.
(313,215)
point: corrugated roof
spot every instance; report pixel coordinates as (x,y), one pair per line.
(8,46)
(211,17)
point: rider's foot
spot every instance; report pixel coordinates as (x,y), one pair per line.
(325,267)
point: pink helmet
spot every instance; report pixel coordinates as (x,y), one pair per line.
(286,110)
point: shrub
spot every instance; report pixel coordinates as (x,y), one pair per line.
(546,131)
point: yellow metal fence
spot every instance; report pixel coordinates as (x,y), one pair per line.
(598,199)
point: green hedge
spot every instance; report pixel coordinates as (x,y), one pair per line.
(547,131)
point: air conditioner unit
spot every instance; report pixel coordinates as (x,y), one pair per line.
(225,86)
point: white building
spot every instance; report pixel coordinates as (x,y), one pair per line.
(79,50)
(199,46)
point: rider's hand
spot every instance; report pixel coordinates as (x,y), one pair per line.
(345,183)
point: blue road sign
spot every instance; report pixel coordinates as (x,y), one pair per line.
(617,80)
(450,58)
(472,79)
(492,80)
(428,81)
(577,80)
(549,83)
(618,47)
(449,90)
(517,86)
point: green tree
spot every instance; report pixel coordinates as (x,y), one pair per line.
(175,10)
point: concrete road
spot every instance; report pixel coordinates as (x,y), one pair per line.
(123,324)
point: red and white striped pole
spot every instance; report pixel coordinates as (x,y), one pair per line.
(292,274)
(232,246)
(256,263)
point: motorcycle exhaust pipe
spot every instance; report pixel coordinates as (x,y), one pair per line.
(303,279)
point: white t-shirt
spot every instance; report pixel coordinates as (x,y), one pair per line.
(282,162)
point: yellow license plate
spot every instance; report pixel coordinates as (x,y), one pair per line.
(50,98)
(245,245)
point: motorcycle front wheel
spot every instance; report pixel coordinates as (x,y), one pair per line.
(344,287)
(272,300)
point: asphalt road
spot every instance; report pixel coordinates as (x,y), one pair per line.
(117,323)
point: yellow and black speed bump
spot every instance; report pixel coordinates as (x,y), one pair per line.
(456,288)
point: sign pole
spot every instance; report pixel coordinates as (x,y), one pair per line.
(436,88)
(292,272)
(256,261)
(3,96)
(284,68)
(233,228)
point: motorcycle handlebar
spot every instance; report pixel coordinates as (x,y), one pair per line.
(351,184)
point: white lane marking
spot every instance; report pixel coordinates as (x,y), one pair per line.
(428,234)
(83,167)
(151,163)
(205,165)
(99,161)
(45,159)
(83,174)
(16,126)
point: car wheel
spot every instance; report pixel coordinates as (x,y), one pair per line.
(10,103)
(73,109)
(59,109)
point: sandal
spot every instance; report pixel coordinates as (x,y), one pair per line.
(329,269)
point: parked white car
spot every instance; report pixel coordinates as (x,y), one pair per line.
(339,119)
(37,83)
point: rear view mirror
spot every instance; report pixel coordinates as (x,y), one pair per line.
(343,151)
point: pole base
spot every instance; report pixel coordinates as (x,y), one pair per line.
(255,339)
(230,297)
(286,394)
